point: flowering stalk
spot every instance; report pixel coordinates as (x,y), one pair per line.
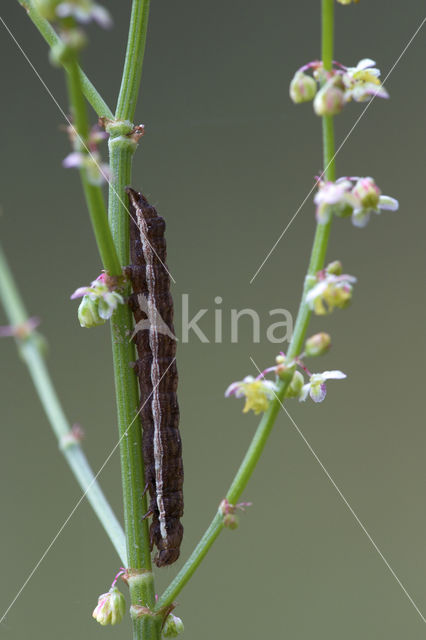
(29,348)
(319,248)
(51,37)
(267,422)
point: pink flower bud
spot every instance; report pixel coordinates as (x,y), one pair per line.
(111,607)
(318,344)
(302,88)
(329,100)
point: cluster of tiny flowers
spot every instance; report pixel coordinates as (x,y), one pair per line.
(228,512)
(26,331)
(83,11)
(331,90)
(97,172)
(111,607)
(98,302)
(21,331)
(330,289)
(259,392)
(353,196)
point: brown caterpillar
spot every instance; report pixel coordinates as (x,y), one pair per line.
(152,307)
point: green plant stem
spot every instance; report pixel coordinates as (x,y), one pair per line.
(51,37)
(92,192)
(132,71)
(322,232)
(29,348)
(327,33)
(122,147)
(236,489)
(264,429)
(142,593)
(129,425)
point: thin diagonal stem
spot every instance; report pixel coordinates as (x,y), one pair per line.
(51,37)
(29,348)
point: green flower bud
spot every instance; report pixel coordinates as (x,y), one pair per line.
(318,344)
(368,193)
(111,607)
(329,100)
(173,626)
(227,510)
(302,88)
(335,267)
(297,381)
(88,313)
(230,521)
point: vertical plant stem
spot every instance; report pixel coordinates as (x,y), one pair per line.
(129,425)
(327,33)
(319,248)
(93,193)
(113,243)
(122,147)
(264,429)
(29,348)
(132,72)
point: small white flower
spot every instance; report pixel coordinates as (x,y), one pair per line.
(316,386)
(84,11)
(365,63)
(370,200)
(258,393)
(332,192)
(362,82)
(104,302)
(97,172)
(334,197)
(366,91)
(73,160)
(331,292)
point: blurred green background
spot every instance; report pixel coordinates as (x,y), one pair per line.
(228,159)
